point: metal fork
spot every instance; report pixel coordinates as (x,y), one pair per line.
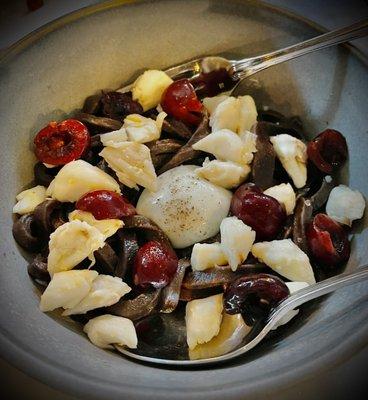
(263,327)
(240,69)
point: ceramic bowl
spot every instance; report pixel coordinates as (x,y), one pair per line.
(47,76)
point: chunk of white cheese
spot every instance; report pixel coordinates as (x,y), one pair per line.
(232,332)
(132,163)
(71,243)
(345,205)
(67,289)
(114,138)
(107,227)
(29,199)
(149,88)
(286,258)
(106,330)
(203,319)
(105,291)
(237,239)
(226,174)
(284,194)
(207,255)
(77,178)
(247,114)
(226,146)
(187,208)
(293,288)
(237,114)
(212,102)
(292,153)
(142,129)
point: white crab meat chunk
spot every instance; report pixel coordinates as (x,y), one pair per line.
(212,102)
(142,129)
(132,163)
(232,332)
(226,174)
(286,258)
(107,227)
(71,243)
(226,145)
(293,288)
(203,319)
(106,330)
(284,194)
(149,88)
(78,178)
(105,291)
(67,289)
(292,154)
(29,199)
(187,208)
(207,255)
(345,205)
(237,114)
(113,138)
(237,239)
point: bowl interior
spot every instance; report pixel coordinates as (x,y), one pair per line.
(106,46)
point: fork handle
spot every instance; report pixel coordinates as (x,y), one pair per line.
(317,290)
(249,66)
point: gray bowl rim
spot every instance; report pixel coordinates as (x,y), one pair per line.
(60,377)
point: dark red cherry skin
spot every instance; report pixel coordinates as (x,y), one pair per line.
(213,82)
(61,142)
(254,295)
(155,264)
(327,241)
(328,151)
(105,204)
(261,212)
(180,101)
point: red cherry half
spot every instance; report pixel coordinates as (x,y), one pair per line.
(328,151)
(105,204)
(180,101)
(155,264)
(263,213)
(327,241)
(61,142)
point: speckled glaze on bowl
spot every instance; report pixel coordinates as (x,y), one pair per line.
(49,74)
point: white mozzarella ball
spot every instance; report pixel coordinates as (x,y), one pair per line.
(71,243)
(203,319)
(105,291)
(237,239)
(284,194)
(78,178)
(67,289)
(292,153)
(226,174)
(29,199)
(286,258)
(207,255)
(187,208)
(106,330)
(149,88)
(345,205)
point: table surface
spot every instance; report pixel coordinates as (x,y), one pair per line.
(328,13)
